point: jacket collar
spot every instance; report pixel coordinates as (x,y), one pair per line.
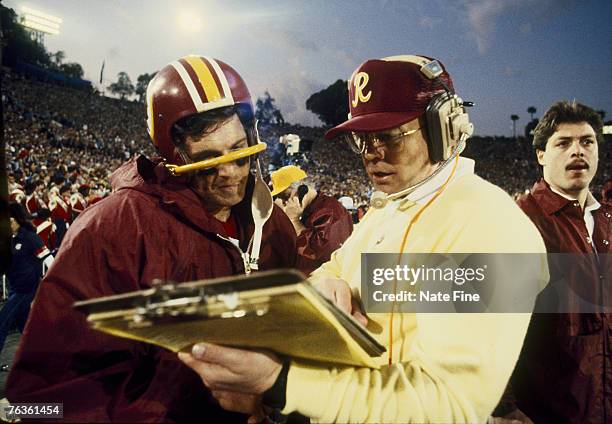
(549,201)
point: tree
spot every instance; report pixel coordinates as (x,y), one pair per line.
(141,85)
(266,111)
(529,128)
(514,119)
(123,86)
(58,58)
(72,69)
(531,110)
(330,104)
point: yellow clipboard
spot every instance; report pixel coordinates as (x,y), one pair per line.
(275,310)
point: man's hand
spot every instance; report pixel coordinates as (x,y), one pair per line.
(225,369)
(293,208)
(339,292)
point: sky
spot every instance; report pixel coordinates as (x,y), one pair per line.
(503,55)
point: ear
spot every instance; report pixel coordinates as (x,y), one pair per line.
(540,155)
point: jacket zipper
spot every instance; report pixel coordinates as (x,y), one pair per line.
(244,255)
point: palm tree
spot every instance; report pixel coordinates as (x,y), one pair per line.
(531,110)
(514,119)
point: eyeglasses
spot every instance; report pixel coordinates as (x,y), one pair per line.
(392,142)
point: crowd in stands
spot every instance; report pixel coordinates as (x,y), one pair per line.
(63,143)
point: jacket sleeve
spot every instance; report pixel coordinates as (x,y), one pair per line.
(327,228)
(96,376)
(439,381)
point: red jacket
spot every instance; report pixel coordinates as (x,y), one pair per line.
(60,210)
(78,204)
(564,373)
(328,224)
(46,232)
(150,227)
(33,204)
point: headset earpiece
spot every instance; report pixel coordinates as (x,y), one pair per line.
(447,121)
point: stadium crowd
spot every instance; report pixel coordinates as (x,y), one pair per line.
(61,139)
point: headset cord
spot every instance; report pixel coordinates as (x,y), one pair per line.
(413,221)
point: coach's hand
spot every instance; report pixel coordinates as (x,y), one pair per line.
(226,369)
(339,292)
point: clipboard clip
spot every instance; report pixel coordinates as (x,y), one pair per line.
(168,303)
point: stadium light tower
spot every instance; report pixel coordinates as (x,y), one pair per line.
(39,23)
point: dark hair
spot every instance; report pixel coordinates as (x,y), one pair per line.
(29,187)
(19,214)
(205,123)
(64,188)
(565,112)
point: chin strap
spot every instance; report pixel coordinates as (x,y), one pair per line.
(177,170)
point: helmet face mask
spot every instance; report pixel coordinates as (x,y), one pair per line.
(194,85)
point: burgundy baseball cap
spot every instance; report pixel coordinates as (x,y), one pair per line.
(389,92)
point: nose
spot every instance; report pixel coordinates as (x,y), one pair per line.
(371,152)
(577,149)
(227,169)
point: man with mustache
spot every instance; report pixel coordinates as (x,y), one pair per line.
(409,127)
(564,373)
(188,216)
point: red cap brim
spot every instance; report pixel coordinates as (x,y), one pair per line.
(378,121)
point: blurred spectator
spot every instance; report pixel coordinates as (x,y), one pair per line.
(321,223)
(28,254)
(349,205)
(78,201)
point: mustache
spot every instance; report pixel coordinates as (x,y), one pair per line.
(577,164)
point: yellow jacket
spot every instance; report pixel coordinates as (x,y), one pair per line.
(446,367)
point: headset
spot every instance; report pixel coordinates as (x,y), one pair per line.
(447,119)
(448,124)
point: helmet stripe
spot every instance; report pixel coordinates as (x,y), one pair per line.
(194,79)
(193,92)
(205,78)
(221,77)
(200,106)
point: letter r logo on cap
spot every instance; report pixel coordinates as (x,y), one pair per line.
(360,81)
